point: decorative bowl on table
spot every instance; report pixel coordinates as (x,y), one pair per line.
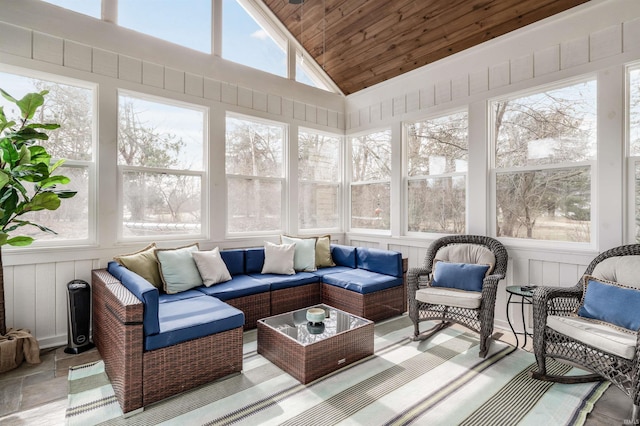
(315,315)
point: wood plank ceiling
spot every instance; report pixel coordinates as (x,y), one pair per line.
(365,42)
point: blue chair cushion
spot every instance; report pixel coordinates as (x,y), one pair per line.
(463,276)
(362,281)
(321,272)
(343,255)
(239,286)
(254,260)
(234,259)
(144,291)
(611,302)
(190,318)
(277,281)
(382,261)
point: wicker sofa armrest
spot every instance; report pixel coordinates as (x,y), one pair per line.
(118,335)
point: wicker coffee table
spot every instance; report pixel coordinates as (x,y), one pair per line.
(308,351)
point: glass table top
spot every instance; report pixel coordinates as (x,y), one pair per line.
(295,325)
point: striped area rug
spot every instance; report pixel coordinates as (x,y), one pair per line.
(438,382)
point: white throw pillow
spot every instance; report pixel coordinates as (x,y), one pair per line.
(304,258)
(212,268)
(278,259)
(178,269)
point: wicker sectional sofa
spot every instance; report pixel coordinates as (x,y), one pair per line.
(157,345)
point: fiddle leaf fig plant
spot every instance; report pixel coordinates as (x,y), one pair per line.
(27,182)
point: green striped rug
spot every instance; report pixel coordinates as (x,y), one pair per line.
(438,382)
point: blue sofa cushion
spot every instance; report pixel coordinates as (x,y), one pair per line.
(254,260)
(381,261)
(239,286)
(362,281)
(277,282)
(343,255)
(190,318)
(234,259)
(321,272)
(143,290)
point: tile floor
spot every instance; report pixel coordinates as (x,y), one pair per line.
(37,394)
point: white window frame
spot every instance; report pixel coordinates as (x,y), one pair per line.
(632,160)
(352,183)
(89,165)
(407,179)
(204,174)
(284,179)
(493,173)
(337,183)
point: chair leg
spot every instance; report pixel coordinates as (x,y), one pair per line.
(417,336)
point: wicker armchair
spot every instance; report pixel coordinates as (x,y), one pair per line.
(477,318)
(550,343)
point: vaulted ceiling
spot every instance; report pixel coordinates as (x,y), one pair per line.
(360,43)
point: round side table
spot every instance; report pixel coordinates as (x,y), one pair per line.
(526,298)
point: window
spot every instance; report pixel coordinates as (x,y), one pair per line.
(634,143)
(247,42)
(437,154)
(371,181)
(72,107)
(160,152)
(255,174)
(319,174)
(185,23)
(305,73)
(544,145)
(86,7)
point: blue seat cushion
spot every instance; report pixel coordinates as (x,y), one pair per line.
(239,286)
(321,272)
(190,318)
(382,261)
(362,281)
(144,291)
(277,281)
(234,259)
(343,255)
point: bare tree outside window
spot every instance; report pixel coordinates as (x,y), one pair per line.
(255,174)
(437,156)
(72,108)
(371,181)
(160,151)
(543,147)
(319,174)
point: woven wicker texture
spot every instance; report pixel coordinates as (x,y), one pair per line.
(255,306)
(310,362)
(548,343)
(291,299)
(479,320)
(140,378)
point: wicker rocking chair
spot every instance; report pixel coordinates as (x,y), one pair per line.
(472,309)
(559,333)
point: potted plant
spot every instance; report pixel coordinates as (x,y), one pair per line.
(27,184)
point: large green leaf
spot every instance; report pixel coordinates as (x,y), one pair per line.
(31,172)
(46,126)
(65,194)
(8,97)
(54,180)
(21,240)
(4,178)
(25,155)
(39,155)
(28,134)
(10,154)
(30,103)
(43,201)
